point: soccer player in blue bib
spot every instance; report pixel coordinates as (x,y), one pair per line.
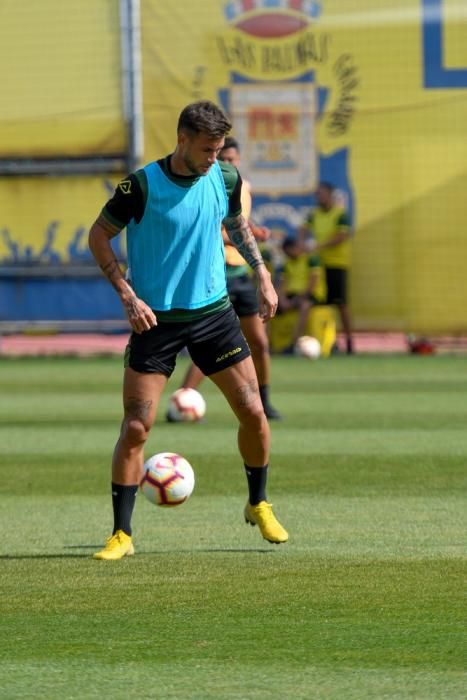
(176,297)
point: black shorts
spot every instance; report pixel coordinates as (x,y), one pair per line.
(336,283)
(214,343)
(242,293)
(295,301)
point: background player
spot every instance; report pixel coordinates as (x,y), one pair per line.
(329,225)
(243,295)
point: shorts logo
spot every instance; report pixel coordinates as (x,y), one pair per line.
(230,353)
(125,186)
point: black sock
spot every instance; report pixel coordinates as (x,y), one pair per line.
(264,393)
(257,478)
(123,502)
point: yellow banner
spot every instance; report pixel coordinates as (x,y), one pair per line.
(61,86)
(369,96)
(46,220)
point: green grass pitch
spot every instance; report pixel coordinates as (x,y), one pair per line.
(366,600)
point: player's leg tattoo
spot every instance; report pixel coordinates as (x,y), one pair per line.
(138,408)
(247,393)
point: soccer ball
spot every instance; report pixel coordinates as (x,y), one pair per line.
(186,405)
(307,346)
(168,479)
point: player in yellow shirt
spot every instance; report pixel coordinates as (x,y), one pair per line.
(298,285)
(329,226)
(243,295)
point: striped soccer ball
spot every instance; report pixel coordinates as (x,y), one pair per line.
(168,479)
(307,346)
(186,405)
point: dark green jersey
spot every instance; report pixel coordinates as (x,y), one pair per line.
(130,196)
(129,202)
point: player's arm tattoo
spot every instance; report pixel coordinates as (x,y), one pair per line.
(110,266)
(242,238)
(247,393)
(112,271)
(109,228)
(131,305)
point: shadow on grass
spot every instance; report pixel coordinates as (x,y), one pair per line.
(11,557)
(158,552)
(204,550)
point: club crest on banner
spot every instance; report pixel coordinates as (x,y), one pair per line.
(277,123)
(273,51)
(266,18)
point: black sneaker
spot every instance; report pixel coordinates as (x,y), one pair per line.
(289,350)
(272,413)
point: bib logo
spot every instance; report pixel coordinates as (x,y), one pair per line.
(273,50)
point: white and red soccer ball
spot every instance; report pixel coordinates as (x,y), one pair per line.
(168,479)
(307,346)
(186,405)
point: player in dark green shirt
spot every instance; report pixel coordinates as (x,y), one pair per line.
(129,202)
(178,261)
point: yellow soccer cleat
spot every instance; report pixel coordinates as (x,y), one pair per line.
(116,547)
(270,527)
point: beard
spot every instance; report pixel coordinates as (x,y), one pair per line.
(194,170)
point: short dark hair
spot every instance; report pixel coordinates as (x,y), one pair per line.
(289,242)
(327,186)
(230,142)
(204,117)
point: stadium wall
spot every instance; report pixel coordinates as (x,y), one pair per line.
(371,96)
